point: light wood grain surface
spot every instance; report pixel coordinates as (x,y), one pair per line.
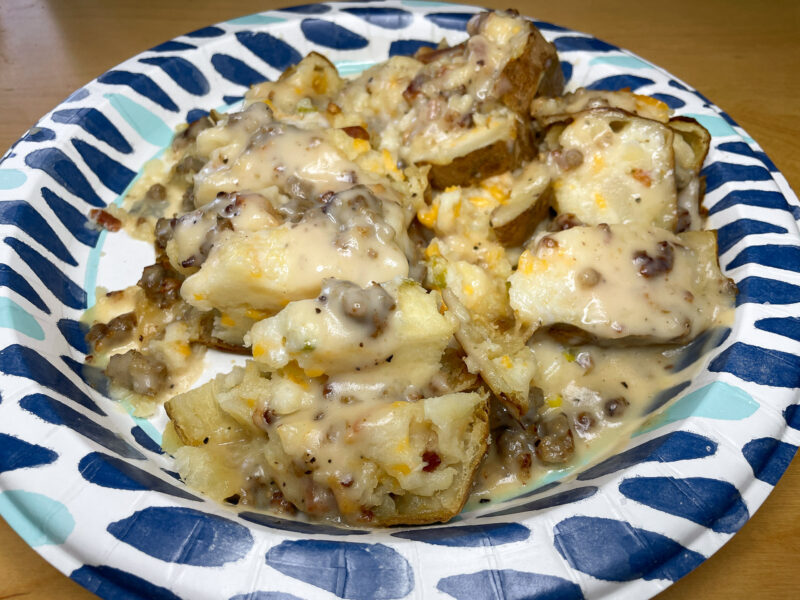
(745,56)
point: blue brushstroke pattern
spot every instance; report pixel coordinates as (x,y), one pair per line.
(718,173)
(759,365)
(717,400)
(53,411)
(38,519)
(22,215)
(232,99)
(195,114)
(566,69)
(13,316)
(114,175)
(671,101)
(699,347)
(62,287)
(172,46)
(296,526)
(545,26)
(75,334)
(19,454)
(39,134)
(786,326)
(182,72)
(308,9)
(559,499)
(91,375)
(744,149)
(111,472)
(469,536)
(408,47)
(711,503)
(73,219)
(760,290)
(670,447)
(792,416)
(206,32)
(387,18)
(769,255)
(616,551)
(330,35)
(95,123)
(265,596)
(26,362)
(61,168)
(757,198)
(569,43)
(14,281)
(184,536)
(508,584)
(78,94)
(273,51)
(619,82)
(664,396)
(450,20)
(340,568)
(115,584)
(145,441)
(732,233)
(140,84)
(150,127)
(235,70)
(768,458)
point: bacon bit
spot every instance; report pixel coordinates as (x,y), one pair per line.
(431,460)
(642,177)
(105,220)
(356,132)
(366,515)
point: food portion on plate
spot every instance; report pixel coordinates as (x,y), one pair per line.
(448,277)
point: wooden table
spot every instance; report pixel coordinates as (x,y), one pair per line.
(745,56)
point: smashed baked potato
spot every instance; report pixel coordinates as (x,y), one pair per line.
(444,273)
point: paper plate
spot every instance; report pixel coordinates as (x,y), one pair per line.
(88,487)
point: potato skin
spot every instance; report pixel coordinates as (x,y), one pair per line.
(536,73)
(437,509)
(479,164)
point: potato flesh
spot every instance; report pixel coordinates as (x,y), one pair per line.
(363,459)
(322,337)
(598,280)
(627,172)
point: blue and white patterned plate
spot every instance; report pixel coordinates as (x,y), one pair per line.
(88,487)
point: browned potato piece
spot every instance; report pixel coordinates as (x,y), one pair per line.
(690,146)
(696,137)
(546,109)
(499,157)
(475,99)
(536,73)
(529,201)
(441,507)
(503,360)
